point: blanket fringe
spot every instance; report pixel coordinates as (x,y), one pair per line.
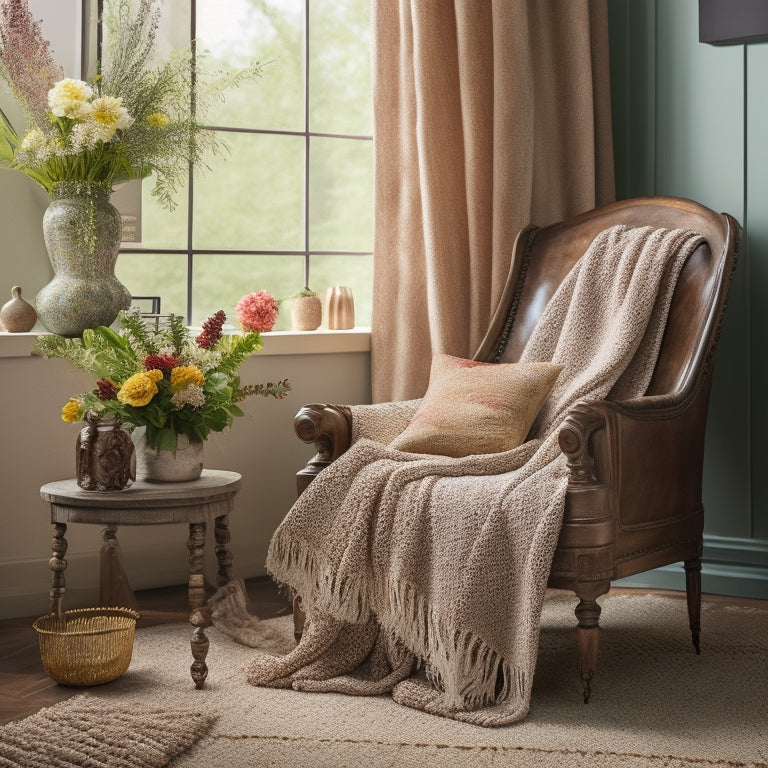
(469,672)
(461,664)
(292,563)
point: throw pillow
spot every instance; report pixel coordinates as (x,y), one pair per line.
(472,407)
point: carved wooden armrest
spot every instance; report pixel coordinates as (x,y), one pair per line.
(623,444)
(579,438)
(333,428)
(329,427)
(575,439)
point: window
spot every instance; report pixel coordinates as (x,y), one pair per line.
(291,202)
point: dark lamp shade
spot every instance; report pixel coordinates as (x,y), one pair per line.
(733,22)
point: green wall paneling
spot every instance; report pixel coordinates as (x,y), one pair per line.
(699,112)
(689,120)
(700,154)
(632,30)
(756,223)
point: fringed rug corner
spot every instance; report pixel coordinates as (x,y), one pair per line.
(85,730)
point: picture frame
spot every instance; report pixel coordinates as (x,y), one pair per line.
(147,305)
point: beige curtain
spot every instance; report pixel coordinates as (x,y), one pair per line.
(488,115)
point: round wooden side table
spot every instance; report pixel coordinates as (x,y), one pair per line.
(208,499)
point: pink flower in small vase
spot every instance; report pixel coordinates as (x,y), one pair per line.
(257,311)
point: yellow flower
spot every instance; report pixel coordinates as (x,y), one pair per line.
(72,411)
(140,388)
(184,375)
(110,115)
(157,120)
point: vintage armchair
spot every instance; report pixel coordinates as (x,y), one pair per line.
(635,468)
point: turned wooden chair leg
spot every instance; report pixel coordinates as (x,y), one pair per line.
(588,631)
(693,596)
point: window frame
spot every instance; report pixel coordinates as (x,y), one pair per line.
(307,134)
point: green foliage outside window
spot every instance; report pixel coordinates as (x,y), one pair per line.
(252,198)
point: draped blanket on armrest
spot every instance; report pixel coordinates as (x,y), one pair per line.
(425,575)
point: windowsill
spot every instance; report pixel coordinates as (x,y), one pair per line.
(319,342)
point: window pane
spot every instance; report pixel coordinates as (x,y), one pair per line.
(340,195)
(354,271)
(221,281)
(156,274)
(237,33)
(161,228)
(252,198)
(175,25)
(340,67)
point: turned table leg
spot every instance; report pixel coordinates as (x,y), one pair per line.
(200,618)
(223,553)
(58,564)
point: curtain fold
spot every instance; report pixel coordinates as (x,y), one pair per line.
(488,115)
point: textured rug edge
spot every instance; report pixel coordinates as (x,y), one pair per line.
(576,757)
(88,729)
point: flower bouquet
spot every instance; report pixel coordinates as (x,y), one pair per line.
(135,118)
(163,379)
(138,117)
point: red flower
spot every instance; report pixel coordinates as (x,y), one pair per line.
(160,362)
(211,330)
(106,390)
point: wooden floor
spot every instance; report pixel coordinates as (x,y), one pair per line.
(25,687)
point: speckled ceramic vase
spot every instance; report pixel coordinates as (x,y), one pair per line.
(306,313)
(82,231)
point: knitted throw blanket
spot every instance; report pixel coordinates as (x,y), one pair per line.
(424,576)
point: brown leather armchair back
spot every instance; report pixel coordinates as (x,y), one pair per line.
(543,257)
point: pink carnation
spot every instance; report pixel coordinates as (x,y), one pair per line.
(257,311)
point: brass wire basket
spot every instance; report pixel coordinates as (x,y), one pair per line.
(87,646)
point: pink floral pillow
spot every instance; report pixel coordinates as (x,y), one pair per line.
(473,407)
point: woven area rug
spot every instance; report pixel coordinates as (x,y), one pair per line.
(84,731)
(654,701)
